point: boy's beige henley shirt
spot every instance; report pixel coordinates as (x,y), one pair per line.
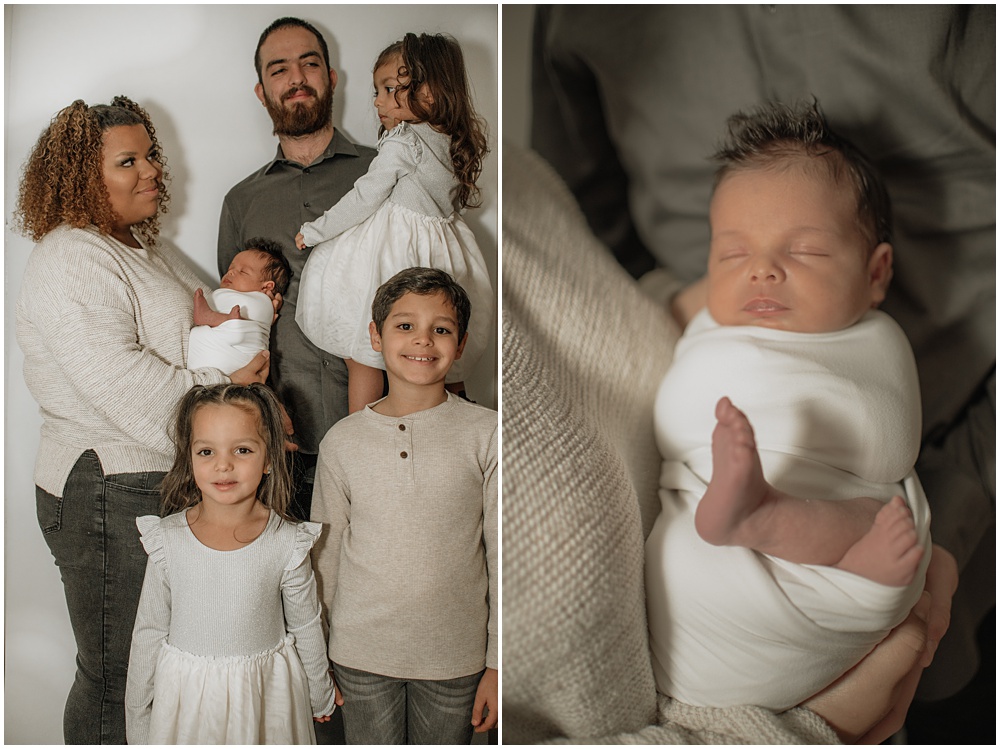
(407,564)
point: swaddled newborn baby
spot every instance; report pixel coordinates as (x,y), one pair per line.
(238,323)
(787,549)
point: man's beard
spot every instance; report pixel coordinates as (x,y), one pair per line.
(301,118)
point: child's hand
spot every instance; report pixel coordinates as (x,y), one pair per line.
(300,241)
(321,719)
(486,696)
(338,697)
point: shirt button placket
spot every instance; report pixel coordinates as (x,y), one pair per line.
(405,447)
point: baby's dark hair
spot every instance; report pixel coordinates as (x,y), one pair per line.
(277,267)
(776,136)
(422,281)
(437,60)
(179,489)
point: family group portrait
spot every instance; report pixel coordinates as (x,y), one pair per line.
(500,374)
(252,253)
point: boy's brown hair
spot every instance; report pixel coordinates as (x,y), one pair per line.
(422,281)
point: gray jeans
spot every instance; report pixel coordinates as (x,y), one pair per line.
(383,710)
(91,533)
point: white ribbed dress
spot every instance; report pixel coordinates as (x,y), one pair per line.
(228,646)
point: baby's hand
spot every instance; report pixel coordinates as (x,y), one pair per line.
(321,719)
(300,241)
(205,315)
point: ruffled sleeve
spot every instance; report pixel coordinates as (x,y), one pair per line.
(306,536)
(151,535)
(404,135)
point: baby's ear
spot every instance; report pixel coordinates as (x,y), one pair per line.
(268,287)
(879,273)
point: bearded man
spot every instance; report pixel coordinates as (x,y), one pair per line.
(314,167)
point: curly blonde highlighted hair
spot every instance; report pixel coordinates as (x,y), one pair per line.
(437,61)
(62,181)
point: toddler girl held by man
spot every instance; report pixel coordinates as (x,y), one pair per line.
(405,212)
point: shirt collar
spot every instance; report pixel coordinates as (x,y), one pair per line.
(339,145)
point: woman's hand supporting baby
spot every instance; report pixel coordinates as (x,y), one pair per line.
(868,704)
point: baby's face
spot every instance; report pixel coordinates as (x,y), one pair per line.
(787,253)
(246,273)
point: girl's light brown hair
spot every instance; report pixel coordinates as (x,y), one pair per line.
(179,489)
(437,61)
(62,181)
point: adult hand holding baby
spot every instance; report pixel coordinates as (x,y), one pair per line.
(256,371)
(868,704)
(276,302)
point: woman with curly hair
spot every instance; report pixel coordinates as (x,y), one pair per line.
(103,317)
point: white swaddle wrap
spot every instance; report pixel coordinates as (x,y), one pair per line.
(836,415)
(234,343)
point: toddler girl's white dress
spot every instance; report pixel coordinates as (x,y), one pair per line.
(228,646)
(399,215)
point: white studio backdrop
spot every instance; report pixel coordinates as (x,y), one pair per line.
(191,67)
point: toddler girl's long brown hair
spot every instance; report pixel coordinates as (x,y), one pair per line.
(437,60)
(63,182)
(179,490)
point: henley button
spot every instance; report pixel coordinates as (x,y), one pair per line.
(402,427)
(403,455)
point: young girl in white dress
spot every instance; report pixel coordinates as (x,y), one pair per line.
(403,213)
(228,646)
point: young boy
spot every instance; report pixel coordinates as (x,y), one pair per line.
(407,569)
(234,324)
(768,581)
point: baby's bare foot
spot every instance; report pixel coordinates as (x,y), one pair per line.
(890,552)
(737,489)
